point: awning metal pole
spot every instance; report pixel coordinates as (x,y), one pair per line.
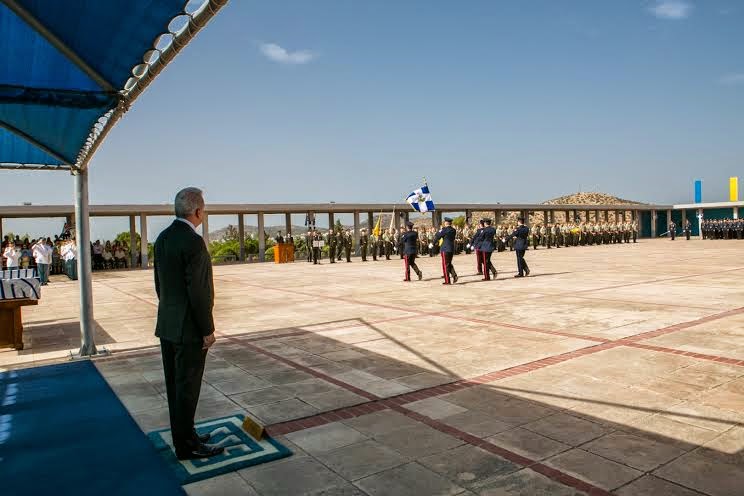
(82,234)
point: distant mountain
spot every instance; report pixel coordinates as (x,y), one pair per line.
(590,198)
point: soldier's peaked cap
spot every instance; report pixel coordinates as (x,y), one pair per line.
(409,224)
(487,221)
(448,219)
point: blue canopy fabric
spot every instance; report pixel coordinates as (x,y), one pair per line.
(49,103)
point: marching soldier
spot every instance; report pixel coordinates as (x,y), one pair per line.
(363,242)
(476,246)
(486,250)
(521,244)
(447,249)
(409,241)
(672,230)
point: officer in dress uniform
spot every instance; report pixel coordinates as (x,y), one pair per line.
(447,249)
(409,242)
(486,249)
(672,230)
(363,242)
(687,229)
(521,244)
(476,246)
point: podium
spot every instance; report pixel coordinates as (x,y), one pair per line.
(283,253)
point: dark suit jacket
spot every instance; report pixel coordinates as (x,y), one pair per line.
(183,281)
(521,233)
(447,234)
(486,239)
(409,241)
(477,239)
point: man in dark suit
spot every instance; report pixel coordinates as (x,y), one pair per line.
(447,250)
(409,243)
(183,282)
(520,246)
(486,248)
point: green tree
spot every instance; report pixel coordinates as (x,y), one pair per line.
(459,221)
(231,233)
(123,237)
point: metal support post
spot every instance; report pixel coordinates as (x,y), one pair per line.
(85,275)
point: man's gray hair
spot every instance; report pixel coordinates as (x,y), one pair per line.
(187,201)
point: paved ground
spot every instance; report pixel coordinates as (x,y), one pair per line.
(613,370)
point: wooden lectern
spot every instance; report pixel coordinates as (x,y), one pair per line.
(283,253)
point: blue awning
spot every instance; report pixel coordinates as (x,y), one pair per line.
(66,65)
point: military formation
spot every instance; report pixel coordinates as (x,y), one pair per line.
(410,242)
(722,228)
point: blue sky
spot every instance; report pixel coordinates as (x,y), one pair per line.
(510,101)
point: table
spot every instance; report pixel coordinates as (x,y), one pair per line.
(11,325)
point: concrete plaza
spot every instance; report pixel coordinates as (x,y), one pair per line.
(611,370)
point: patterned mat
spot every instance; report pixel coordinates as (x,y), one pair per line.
(241,450)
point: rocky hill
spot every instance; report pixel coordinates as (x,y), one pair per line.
(590,198)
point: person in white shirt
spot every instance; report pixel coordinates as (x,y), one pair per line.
(108,257)
(11,254)
(120,255)
(69,255)
(43,255)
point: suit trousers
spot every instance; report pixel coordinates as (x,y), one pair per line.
(183,366)
(521,262)
(410,263)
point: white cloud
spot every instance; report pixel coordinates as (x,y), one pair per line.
(732,79)
(671,9)
(274,52)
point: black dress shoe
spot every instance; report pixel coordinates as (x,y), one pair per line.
(519,275)
(526,272)
(454,278)
(203,438)
(199,451)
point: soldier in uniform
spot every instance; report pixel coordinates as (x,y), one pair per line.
(486,249)
(309,244)
(399,242)
(363,242)
(409,242)
(388,243)
(687,229)
(634,230)
(316,249)
(543,235)
(672,230)
(348,245)
(476,246)
(535,231)
(557,235)
(520,245)
(447,250)
(331,242)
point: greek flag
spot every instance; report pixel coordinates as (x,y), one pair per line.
(421,200)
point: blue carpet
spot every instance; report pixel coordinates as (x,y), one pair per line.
(241,450)
(63,431)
